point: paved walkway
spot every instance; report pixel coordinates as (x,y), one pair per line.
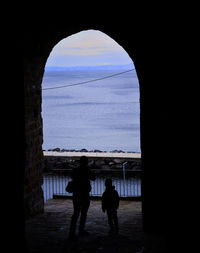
(48,232)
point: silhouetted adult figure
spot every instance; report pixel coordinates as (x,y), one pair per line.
(81,177)
(110,204)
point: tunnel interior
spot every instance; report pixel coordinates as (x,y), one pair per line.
(146,47)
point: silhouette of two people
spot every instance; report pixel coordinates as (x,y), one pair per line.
(81,177)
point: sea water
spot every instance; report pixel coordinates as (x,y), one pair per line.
(101,115)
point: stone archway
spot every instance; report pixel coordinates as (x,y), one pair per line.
(155,131)
(34,71)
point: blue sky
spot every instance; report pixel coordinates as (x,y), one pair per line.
(88,48)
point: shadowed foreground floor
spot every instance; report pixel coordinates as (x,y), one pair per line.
(48,232)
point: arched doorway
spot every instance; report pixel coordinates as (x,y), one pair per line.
(91,104)
(150,58)
(122,91)
(107,104)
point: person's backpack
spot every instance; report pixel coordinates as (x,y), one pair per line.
(70,187)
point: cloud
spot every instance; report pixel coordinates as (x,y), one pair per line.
(84,50)
(87,47)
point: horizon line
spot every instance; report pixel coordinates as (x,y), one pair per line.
(91,66)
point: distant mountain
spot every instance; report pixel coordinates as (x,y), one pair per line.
(100,67)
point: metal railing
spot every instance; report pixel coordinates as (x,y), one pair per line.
(55,184)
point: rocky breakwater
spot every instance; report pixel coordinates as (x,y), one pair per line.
(100,162)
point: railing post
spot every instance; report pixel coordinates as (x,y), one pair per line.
(124,180)
(52,185)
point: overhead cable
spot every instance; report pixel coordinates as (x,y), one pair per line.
(89,81)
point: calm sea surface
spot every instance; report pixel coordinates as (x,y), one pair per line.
(100,115)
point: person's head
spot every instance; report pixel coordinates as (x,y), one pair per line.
(83,161)
(108,182)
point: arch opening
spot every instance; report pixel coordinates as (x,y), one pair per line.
(101,115)
(91,104)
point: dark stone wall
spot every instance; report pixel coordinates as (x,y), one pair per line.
(33,195)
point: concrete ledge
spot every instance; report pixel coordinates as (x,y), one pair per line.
(61,162)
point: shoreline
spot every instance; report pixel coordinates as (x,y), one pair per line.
(102,162)
(92,154)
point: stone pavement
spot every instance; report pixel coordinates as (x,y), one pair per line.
(48,232)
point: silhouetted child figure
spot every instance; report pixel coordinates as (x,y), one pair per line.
(110,203)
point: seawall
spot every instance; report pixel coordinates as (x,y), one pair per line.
(100,162)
